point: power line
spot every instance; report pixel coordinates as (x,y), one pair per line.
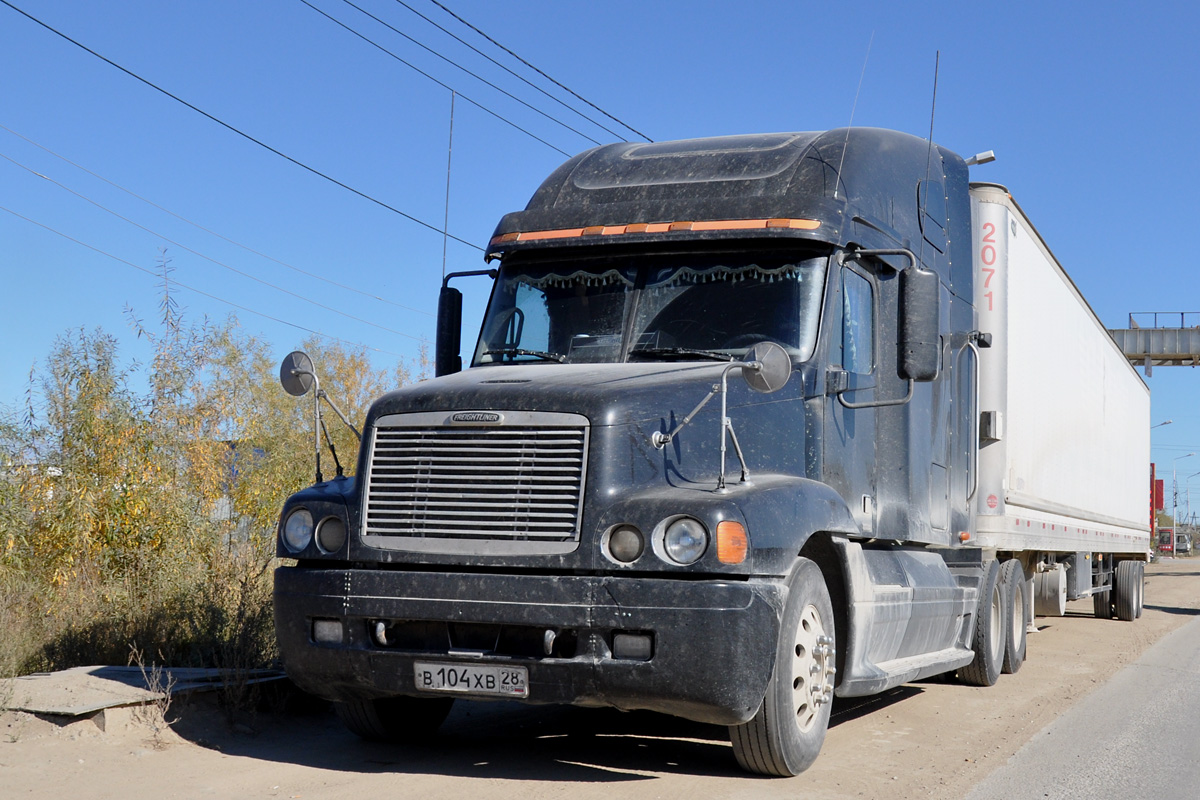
(445,86)
(429,49)
(199,291)
(515,74)
(212,232)
(205,257)
(539,72)
(241,133)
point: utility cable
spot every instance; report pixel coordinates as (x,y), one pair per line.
(514,73)
(200,291)
(197,253)
(445,86)
(243,134)
(502,91)
(538,71)
(212,232)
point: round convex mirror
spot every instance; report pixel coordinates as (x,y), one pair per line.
(296,373)
(775,370)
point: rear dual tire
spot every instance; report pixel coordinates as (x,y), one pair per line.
(1014,586)
(990,635)
(1127,583)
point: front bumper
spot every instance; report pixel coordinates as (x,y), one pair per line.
(713,641)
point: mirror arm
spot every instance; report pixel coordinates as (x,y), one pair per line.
(332,450)
(661,440)
(316,417)
(468,274)
(448,345)
(321,393)
(889,251)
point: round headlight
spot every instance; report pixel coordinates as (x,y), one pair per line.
(685,540)
(298,530)
(625,544)
(331,534)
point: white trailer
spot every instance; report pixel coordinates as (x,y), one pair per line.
(1064,453)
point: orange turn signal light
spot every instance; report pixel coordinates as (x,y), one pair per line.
(732,544)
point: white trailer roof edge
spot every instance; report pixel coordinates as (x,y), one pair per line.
(1011,201)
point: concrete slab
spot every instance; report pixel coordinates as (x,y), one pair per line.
(86,690)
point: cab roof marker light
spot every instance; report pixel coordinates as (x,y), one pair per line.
(658,227)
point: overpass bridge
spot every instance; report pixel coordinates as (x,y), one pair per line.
(1161,339)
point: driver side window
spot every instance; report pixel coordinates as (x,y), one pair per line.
(858,324)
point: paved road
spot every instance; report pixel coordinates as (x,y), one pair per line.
(1138,736)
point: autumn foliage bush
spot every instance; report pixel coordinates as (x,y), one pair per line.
(138,502)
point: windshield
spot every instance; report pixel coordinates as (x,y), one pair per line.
(678,306)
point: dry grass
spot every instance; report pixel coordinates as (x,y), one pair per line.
(217,614)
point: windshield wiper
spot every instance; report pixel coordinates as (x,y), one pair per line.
(517,351)
(676,352)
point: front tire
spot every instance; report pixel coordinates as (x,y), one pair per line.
(394,719)
(990,639)
(785,736)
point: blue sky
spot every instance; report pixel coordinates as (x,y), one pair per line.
(1092,109)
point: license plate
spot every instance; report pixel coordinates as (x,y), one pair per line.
(471,679)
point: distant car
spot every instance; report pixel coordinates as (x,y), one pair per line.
(1183,544)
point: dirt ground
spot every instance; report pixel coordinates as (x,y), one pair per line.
(925,740)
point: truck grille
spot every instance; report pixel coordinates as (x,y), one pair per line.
(449,487)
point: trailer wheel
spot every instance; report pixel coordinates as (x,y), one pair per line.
(1141,589)
(1012,579)
(1126,587)
(786,734)
(990,639)
(394,719)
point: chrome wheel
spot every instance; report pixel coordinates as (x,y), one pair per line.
(812,669)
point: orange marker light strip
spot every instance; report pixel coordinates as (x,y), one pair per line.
(659,227)
(732,544)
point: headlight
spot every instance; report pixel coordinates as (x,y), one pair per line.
(685,540)
(331,534)
(298,530)
(624,544)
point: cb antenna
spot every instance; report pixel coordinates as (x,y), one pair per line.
(932,111)
(937,60)
(837,179)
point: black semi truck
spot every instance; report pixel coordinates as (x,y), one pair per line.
(719,452)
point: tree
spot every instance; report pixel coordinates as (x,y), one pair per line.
(147,516)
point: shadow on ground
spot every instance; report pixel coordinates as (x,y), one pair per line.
(1187,612)
(496,740)
(500,740)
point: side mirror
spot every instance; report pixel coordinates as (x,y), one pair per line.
(919,346)
(447,360)
(296,373)
(774,367)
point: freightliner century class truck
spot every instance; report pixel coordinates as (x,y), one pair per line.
(752,423)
